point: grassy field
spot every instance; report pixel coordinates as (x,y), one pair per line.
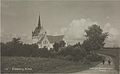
(41,65)
(114,53)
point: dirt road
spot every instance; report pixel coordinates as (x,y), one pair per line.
(101,68)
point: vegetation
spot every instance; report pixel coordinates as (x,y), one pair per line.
(94,38)
(94,41)
(30,55)
(58,45)
(17,48)
(74,53)
(41,65)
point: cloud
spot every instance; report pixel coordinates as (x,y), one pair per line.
(75,30)
(113,38)
(107,17)
(113,32)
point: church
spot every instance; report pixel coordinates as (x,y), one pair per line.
(40,37)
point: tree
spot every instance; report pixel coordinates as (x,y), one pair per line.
(56,47)
(74,53)
(77,44)
(3,49)
(12,48)
(16,40)
(15,47)
(94,38)
(62,43)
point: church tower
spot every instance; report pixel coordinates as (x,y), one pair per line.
(39,22)
(39,35)
(38,32)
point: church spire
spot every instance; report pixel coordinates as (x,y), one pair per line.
(39,23)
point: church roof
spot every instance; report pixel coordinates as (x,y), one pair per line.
(40,41)
(54,39)
(38,29)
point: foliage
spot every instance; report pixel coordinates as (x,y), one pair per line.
(17,48)
(58,45)
(41,65)
(94,38)
(44,52)
(77,44)
(34,63)
(94,57)
(73,53)
(62,43)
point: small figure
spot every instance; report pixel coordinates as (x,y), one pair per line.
(109,62)
(103,62)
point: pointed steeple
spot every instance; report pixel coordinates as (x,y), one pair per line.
(39,23)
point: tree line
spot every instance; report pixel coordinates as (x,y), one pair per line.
(95,38)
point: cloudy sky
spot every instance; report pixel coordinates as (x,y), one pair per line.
(20,17)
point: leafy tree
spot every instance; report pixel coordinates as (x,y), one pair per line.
(77,44)
(56,47)
(3,49)
(13,47)
(94,38)
(16,40)
(44,52)
(17,48)
(74,53)
(62,43)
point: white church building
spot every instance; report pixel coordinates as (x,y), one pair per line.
(39,36)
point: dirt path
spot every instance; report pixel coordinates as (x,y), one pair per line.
(101,69)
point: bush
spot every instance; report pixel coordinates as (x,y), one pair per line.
(17,48)
(69,57)
(43,52)
(73,53)
(94,57)
(86,61)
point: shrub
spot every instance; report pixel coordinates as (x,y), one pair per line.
(44,52)
(17,48)
(69,57)
(73,53)
(94,57)
(86,61)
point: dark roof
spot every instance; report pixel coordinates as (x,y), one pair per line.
(36,31)
(54,39)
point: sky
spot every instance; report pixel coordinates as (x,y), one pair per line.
(71,18)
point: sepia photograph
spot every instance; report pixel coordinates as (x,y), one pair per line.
(60,37)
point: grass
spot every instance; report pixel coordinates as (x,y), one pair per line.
(41,65)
